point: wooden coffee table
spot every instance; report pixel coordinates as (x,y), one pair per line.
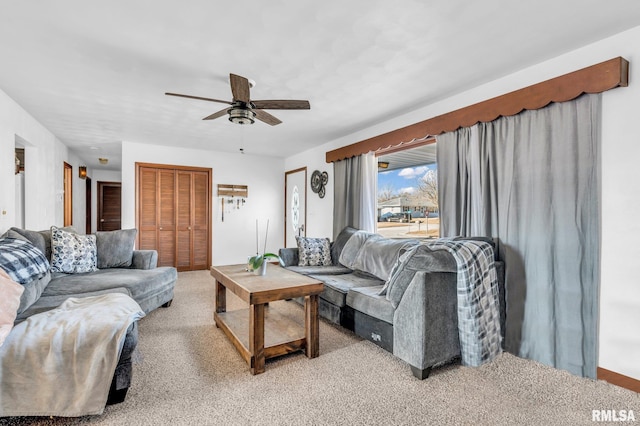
(258,333)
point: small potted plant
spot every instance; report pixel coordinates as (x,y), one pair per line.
(258,263)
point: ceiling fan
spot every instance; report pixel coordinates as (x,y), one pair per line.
(243,110)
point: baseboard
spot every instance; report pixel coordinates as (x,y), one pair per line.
(618,379)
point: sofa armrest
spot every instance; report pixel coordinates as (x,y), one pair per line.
(425,323)
(289,256)
(144,259)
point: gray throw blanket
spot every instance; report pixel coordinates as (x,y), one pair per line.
(61,362)
(478,300)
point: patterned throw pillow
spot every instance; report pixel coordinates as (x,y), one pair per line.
(314,251)
(72,253)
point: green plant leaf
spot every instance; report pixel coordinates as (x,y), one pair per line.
(274,256)
(256,261)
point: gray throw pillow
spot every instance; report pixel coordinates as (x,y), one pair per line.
(314,251)
(115,248)
(34,237)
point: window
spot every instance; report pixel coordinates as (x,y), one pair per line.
(407,202)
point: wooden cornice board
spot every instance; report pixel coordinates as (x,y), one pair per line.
(594,79)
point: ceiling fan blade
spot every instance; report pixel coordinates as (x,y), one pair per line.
(281,104)
(216,114)
(198,97)
(266,117)
(239,88)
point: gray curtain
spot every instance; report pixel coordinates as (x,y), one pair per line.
(354,194)
(532,181)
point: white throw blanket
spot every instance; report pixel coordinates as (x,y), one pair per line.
(61,362)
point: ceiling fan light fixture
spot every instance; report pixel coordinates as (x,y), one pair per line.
(241,116)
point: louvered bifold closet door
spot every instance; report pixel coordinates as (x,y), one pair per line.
(201,220)
(174,215)
(148,204)
(167,218)
(192,220)
(184,232)
(156,211)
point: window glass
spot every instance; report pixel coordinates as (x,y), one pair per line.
(407,205)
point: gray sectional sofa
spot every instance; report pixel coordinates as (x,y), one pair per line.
(416,320)
(121,270)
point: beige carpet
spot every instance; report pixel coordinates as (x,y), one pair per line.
(188,373)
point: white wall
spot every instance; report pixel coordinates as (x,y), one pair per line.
(44,157)
(619,340)
(234,239)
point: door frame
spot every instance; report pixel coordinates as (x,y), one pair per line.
(67,186)
(88,207)
(286,174)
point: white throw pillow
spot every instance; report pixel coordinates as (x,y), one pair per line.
(72,253)
(10,292)
(314,251)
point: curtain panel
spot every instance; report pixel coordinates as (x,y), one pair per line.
(532,182)
(355,189)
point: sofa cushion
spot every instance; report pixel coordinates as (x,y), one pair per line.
(336,287)
(368,301)
(378,256)
(34,237)
(313,251)
(72,253)
(10,292)
(320,270)
(115,248)
(352,247)
(415,259)
(149,287)
(46,303)
(339,242)
(32,291)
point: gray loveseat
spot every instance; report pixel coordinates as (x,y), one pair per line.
(416,320)
(121,270)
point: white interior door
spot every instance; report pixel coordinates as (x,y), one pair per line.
(295,212)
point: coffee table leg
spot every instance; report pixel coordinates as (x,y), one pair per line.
(221,299)
(312,326)
(256,338)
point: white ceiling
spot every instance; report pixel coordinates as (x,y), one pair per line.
(95,73)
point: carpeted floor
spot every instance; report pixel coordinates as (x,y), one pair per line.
(188,373)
